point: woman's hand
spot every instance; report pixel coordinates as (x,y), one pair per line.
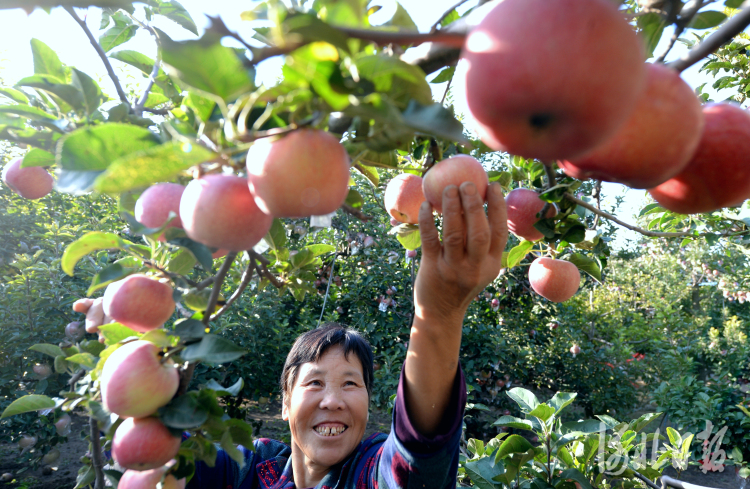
(453,272)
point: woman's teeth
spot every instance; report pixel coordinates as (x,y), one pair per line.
(328,431)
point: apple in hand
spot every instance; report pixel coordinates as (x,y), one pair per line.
(220,212)
(135,383)
(453,171)
(304,173)
(657,140)
(555,280)
(154,205)
(523,206)
(139,302)
(403,198)
(718,175)
(148,479)
(144,443)
(552,79)
(33,182)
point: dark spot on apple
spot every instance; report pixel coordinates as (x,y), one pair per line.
(540,121)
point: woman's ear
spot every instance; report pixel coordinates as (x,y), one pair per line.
(285,410)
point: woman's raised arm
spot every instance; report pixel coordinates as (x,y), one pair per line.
(451,274)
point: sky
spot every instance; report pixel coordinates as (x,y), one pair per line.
(59,31)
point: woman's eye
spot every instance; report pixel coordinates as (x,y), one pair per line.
(315,382)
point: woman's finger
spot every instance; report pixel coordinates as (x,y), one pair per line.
(498,217)
(477,227)
(428,233)
(82,305)
(454,229)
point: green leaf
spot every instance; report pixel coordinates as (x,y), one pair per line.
(320,249)
(46,60)
(112,273)
(707,19)
(230,449)
(434,120)
(525,399)
(89,242)
(38,157)
(276,237)
(27,404)
(151,165)
(733,3)
(400,80)
(354,199)
(408,235)
(651,26)
(234,390)
(67,93)
(207,66)
(512,444)
(96,148)
(543,412)
(213,349)
(651,209)
(175,12)
(146,66)
(574,475)
(584,426)
(445,75)
(14,95)
(51,350)
(92,93)
(202,106)
(115,332)
(190,329)
(119,34)
(26,111)
(513,422)
(181,262)
(184,412)
(369,172)
(483,471)
(85,360)
(586,264)
(518,253)
(561,400)
(199,251)
(402,19)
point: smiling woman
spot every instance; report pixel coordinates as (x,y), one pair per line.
(327,378)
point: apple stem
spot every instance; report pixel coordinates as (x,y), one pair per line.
(96,453)
(551,181)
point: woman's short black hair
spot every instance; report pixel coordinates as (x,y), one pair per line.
(311,346)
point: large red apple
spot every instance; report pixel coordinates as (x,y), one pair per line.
(305,173)
(523,206)
(219,211)
(143,444)
(139,302)
(555,280)
(135,383)
(33,182)
(154,205)
(453,171)
(657,140)
(403,197)
(147,479)
(552,79)
(718,175)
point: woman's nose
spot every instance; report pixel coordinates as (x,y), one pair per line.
(332,399)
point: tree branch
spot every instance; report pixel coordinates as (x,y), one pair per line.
(612,218)
(100,51)
(356,213)
(138,109)
(247,275)
(220,276)
(263,272)
(724,34)
(551,182)
(96,454)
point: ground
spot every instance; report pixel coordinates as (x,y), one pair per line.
(266,419)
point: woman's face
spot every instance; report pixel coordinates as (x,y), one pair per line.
(327,409)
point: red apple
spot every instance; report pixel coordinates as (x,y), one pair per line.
(143,444)
(62,425)
(154,205)
(219,211)
(453,171)
(403,198)
(304,173)
(555,280)
(75,330)
(719,173)
(523,205)
(42,371)
(148,479)
(134,381)
(657,140)
(139,302)
(575,350)
(33,182)
(529,82)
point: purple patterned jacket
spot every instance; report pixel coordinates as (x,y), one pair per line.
(402,460)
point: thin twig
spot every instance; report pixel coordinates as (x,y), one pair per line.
(598,197)
(551,182)
(100,51)
(218,282)
(164,111)
(447,87)
(247,275)
(679,27)
(249,137)
(138,109)
(263,272)
(356,213)
(726,33)
(645,479)
(328,288)
(445,15)
(96,453)
(612,218)
(205,283)
(75,378)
